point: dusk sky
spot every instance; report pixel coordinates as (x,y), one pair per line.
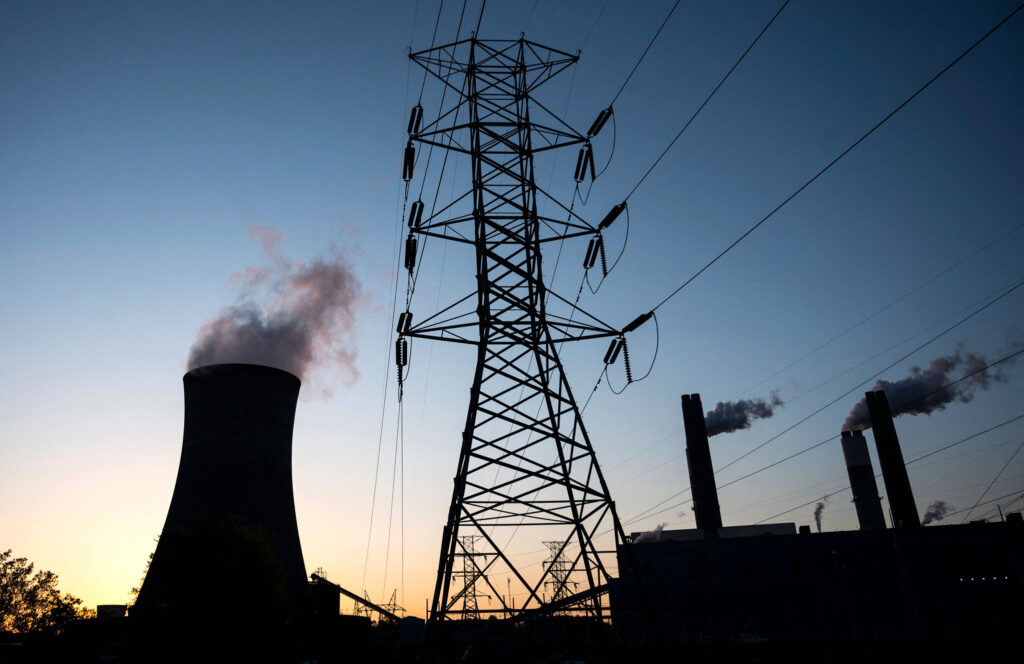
(146,149)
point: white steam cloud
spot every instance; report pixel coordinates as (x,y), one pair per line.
(299,317)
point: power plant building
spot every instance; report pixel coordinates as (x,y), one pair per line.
(772,584)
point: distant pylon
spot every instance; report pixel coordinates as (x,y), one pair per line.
(559,585)
(469,574)
(526,471)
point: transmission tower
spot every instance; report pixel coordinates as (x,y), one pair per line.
(526,472)
(559,584)
(469,573)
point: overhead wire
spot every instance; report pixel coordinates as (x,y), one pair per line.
(480,18)
(819,444)
(994,480)
(878,373)
(644,54)
(700,108)
(594,25)
(885,308)
(692,117)
(391,324)
(912,461)
(433,40)
(836,160)
(1019,493)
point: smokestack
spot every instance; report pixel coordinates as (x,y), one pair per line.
(894,471)
(230,544)
(862,481)
(698,462)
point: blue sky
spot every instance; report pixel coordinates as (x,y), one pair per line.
(140,142)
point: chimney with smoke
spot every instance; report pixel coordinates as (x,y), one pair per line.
(862,481)
(698,462)
(890,457)
(925,391)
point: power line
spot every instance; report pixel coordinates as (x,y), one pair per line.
(819,444)
(964,440)
(706,100)
(592,27)
(387,345)
(841,155)
(888,306)
(1017,493)
(437,22)
(994,480)
(912,461)
(642,55)
(878,373)
(480,18)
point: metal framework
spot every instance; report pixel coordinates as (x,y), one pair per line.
(527,472)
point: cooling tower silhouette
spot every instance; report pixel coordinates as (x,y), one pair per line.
(230,544)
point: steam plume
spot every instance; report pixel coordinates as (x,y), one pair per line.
(819,509)
(935,512)
(731,416)
(922,392)
(298,317)
(651,535)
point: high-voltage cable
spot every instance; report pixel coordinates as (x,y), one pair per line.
(879,373)
(839,157)
(885,308)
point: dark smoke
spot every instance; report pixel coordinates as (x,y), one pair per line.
(819,509)
(732,416)
(935,512)
(922,392)
(298,317)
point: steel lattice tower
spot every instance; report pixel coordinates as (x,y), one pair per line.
(526,461)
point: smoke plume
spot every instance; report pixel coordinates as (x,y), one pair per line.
(298,317)
(923,391)
(819,509)
(935,512)
(731,416)
(651,535)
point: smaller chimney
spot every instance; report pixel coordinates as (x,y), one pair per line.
(698,462)
(894,471)
(862,481)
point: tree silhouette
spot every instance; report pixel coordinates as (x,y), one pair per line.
(32,602)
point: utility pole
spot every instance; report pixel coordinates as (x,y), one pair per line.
(526,470)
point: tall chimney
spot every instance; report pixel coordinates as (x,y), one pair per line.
(698,462)
(894,471)
(862,481)
(230,544)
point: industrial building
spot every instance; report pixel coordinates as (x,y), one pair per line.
(869,592)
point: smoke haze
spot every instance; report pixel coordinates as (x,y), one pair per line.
(299,317)
(651,535)
(907,396)
(731,416)
(935,512)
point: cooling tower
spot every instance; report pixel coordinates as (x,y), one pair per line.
(230,540)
